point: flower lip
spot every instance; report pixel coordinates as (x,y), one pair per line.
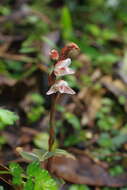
(61,68)
(60,86)
(63,63)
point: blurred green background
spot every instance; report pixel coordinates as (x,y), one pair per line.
(95,120)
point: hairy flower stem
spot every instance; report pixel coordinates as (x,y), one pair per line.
(52,121)
(52,135)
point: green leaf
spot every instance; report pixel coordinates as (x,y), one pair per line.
(29,185)
(119,140)
(107,101)
(3,68)
(16,172)
(37,98)
(43,154)
(2,140)
(73,120)
(46,155)
(60,152)
(72,140)
(29,155)
(93,29)
(105,140)
(5,10)
(35,113)
(78,187)
(122,100)
(41,140)
(40,152)
(7,117)
(60,108)
(72,81)
(116,170)
(104,124)
(33,169)
(27,49)
(43,181)
(66,24)
(1,187)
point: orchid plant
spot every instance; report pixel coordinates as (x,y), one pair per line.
(35,176)
(57,87)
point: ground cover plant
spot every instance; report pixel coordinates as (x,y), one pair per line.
(91,125)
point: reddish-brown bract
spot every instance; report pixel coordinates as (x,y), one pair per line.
(66,50)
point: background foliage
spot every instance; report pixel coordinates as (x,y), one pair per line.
(93,121)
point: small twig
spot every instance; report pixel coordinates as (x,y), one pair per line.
(16,57)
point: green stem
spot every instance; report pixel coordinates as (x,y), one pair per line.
(5,172)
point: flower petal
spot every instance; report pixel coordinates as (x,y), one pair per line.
(63,71)
(62,87)
(52,90)
(69,90)
(69,71)
(63,63)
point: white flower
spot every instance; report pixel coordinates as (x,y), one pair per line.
(60,86)
(61,68)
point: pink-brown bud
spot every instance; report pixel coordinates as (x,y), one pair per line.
(54,55)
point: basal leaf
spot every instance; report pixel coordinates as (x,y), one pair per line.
(29,156)
(60,152)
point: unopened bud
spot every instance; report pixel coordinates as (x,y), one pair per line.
(54,55)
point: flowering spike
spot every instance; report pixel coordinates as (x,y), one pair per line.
(61,68)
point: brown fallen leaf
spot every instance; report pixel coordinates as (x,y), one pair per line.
(4,80)
(25,137)
(92,102)
(116,87)
(83,170)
